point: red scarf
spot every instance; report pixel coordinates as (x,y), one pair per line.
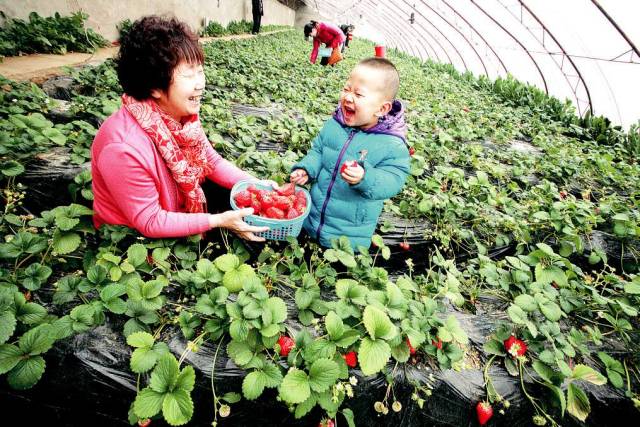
(181,145)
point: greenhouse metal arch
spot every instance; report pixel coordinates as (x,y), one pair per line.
(582,50)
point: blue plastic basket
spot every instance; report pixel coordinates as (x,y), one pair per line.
(324,51)
(279,229)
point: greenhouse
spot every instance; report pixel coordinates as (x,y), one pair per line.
(320,212)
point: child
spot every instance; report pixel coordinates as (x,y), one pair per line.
(359,159)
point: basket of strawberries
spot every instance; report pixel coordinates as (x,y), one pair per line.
(283,210)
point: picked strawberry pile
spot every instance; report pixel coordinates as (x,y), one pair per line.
(283,203)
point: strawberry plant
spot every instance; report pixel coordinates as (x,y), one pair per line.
(512,190)
(53,34)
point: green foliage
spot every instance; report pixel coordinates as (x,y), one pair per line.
(213,29)
(492,232)
(124,27)
(52,34)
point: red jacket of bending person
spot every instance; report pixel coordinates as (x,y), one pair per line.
(329,34)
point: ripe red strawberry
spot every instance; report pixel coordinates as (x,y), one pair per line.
(252,189)
(515,347)
(412,350)
(438,343)
(412,151)
(300,206)
(266,201)
(255,204)
(326,423)
(286,344)
(287,189)
(292,213)
(144,423)
(243,199)
(282,203)
(405,246)
(274,213)
(484,411)
(301,198)
(348,164)
(351,358)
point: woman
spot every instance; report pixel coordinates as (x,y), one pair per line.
(151,156)
(328,34)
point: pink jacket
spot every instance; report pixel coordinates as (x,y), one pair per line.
(132,185)
(328,34)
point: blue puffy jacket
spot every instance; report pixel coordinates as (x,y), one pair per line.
(352,210)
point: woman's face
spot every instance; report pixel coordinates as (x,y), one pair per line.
(184,94)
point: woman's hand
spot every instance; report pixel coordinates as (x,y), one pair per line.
(353,174)
(232,220)
(299,177)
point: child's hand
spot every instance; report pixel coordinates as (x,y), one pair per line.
(299,177)
(353,174)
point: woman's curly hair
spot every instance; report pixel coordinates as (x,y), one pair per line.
(151,50)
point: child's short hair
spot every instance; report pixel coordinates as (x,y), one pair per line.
(391,75)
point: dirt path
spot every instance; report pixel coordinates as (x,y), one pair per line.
(40,67)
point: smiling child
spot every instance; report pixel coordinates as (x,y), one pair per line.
(359,159)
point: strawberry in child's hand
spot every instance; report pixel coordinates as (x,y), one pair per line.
(348,164)
(412,350)
(287,189)
(351,359)
(286,344)
(484,411)
(243,199)
(274,213)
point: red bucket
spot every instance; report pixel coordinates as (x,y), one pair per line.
(380,51)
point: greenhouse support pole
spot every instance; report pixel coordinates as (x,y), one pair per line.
(479,35)
(544,80)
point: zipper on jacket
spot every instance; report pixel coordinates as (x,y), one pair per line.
(336,168)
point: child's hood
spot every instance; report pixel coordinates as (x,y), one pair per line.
(391,124)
